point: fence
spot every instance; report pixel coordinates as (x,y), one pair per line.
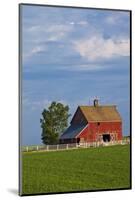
(72,146)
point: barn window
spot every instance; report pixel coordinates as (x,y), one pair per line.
(98,123)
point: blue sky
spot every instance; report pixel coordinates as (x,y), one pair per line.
(71,56)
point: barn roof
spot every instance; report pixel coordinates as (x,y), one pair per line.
(72,131)
(101,113)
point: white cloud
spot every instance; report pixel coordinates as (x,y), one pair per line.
(33,51)
(58,31)
(51,28)
(56,36)
(39,104)
(97,47)
(58,28)
(35,105)
(82,23)
(33,28)
(116,18)
(49,32)
(84,67)
(111,20)
(35,35)
(37,49)
(72,23)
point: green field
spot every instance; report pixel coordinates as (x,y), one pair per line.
(74,170)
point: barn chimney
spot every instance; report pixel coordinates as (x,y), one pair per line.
(96,102)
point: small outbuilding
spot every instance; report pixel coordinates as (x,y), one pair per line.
(94,123)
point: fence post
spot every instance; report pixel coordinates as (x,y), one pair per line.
(47,147)
(27,148)
(37,148)
(57,146)
(67,146)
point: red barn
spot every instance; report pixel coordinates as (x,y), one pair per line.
(94,123)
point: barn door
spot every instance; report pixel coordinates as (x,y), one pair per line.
(78,140)
(106,137)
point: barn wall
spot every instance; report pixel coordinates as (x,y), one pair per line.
(95,130)
(68,141)
(84,135)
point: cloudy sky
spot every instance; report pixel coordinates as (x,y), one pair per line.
(73,55)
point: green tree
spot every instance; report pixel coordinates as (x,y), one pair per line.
(53,122)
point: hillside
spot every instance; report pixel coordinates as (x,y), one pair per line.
(76,170)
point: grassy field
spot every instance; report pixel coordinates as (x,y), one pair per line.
(74,170)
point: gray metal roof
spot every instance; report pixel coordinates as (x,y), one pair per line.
(72,131)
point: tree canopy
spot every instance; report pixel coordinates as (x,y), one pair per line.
(53,122)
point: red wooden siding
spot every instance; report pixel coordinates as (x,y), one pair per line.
(99,123)
(95,129)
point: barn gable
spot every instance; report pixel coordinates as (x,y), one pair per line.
(79,117)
